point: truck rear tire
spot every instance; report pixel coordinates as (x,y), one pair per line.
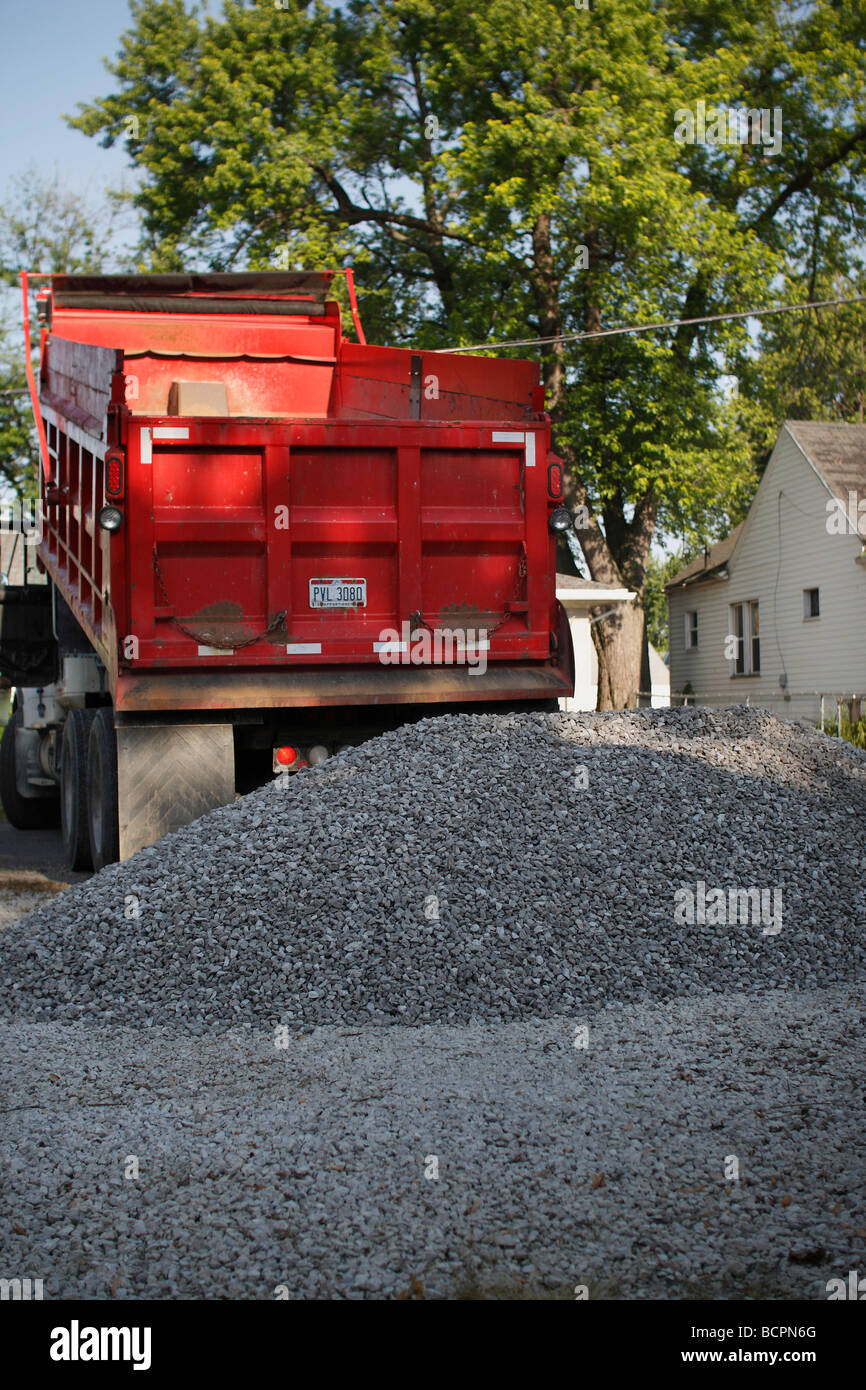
(24,812)
(102,791)
(73,788)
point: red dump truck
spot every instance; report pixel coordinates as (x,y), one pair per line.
(260,541)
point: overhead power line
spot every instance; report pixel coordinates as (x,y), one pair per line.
(668,323)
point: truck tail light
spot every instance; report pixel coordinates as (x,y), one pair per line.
(317,754)
(114,474)
(554,481)
(287,756)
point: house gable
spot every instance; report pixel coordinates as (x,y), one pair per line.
(784,548)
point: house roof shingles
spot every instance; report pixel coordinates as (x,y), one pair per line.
(837,451)
(574,581)
(707,563)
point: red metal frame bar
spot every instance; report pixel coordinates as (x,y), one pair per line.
(353,302)
(28,367)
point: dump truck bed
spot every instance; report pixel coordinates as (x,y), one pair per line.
(294,506)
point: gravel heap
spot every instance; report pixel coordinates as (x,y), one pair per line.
(487,868)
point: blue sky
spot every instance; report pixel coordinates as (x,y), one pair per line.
(50,59)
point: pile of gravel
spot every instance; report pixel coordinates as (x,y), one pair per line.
(491,868)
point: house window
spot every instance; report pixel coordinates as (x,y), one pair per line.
(811,603)
(691,630)
(747,639)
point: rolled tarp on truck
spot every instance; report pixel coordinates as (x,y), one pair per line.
(263,540)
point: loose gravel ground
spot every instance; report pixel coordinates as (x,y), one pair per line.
(22,891)
(288,1010)
(303,1169)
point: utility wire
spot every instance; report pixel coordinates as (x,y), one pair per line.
(651,327)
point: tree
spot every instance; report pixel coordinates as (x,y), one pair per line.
(525,169)
(812,365)
(44,226)
(658,573)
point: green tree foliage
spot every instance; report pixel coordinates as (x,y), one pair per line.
(17,437)
(810,366)
(44,227)
(658,573)
(510,170)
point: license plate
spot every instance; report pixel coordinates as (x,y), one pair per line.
(338,593)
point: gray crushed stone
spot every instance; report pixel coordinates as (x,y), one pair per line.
(427,923)
(300,1172)
(498,867)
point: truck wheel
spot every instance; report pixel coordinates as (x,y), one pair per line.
(102,790)
(73,788)
(24,812)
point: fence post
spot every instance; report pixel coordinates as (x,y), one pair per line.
(822,714)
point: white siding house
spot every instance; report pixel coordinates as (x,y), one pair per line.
(775,614)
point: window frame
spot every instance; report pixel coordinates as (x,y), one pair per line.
(745,625)
(807,601)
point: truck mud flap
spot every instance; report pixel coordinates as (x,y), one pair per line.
(168,775)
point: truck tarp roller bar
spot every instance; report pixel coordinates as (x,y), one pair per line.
(311,283)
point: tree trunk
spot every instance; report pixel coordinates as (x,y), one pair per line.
(619,642)
(618,555)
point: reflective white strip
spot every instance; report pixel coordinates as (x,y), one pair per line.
(482,646)
(390,647)
(216,651)
(145,446)
(171,432)
(527,439)
(304,649)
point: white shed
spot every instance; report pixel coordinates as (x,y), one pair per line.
(660,680)
(584,600)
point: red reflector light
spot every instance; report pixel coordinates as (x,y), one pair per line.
(113,474)
(287,755)
(554,480)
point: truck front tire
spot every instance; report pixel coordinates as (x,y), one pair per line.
(102,790)
(73,788)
